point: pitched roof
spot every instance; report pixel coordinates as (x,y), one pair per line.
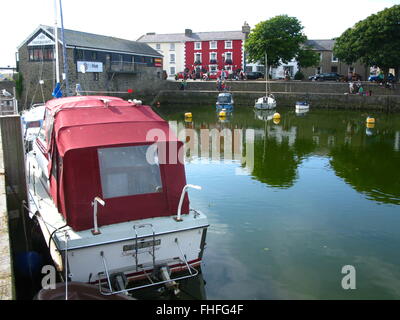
(196,36)
(321,45)
(96,41)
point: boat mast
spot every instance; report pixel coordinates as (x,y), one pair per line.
(266,75)
(56,42)
(64,52)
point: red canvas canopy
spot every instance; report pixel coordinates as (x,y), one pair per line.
(76,129)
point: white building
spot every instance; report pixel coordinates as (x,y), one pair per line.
(172,47)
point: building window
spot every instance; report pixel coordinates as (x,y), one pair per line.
(197,46)
(260,68)
(93,55)
(351,70)
(228,56)
(334,58)
(172,58)
(213,57)
(318,70)
(320,56)
(172,71)
(40,54)
(172,46)
(128,171)
(197,58)
(213,67)
(158,46)
(79,54)
(96,76)
(334,69)
(213,44)
(228,44)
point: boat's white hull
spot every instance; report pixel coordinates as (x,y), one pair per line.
(94,258)
(265,103)
(302,107)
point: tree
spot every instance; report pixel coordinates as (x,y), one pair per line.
(282,38)
(375,41)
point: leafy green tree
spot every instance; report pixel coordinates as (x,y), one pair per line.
(282,38)
(375,41)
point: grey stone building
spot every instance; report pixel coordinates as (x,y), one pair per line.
(99,64)
(330,63)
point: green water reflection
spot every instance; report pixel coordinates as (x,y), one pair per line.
(322,191)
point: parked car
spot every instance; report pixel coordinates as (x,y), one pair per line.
(326,76)
(379,77)
(254,75)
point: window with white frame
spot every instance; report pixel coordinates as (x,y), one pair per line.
(172,58)
(197,46)
(228,44)
(213,56)
(213,67)
(213,44)
(334,58)
(158,46)
(172,71)
(228,55)
(172,46)
(320,56)
(197,57)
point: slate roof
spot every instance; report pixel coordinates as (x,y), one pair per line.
(96,41)
(196,36)
(321,45)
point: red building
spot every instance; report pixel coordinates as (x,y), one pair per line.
(200,51)
(214,51)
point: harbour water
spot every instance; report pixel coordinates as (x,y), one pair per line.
(322,192)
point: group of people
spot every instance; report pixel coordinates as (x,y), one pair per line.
(356,87)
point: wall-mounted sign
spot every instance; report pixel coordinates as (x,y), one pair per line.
(41,40)
(89,66)
(158,62)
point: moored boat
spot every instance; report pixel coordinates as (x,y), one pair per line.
(109,191)
(302,105)
(225,101)
(268,101)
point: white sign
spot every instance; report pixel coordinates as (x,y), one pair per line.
(41,40)
(89,66)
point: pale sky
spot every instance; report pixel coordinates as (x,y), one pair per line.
(129,19)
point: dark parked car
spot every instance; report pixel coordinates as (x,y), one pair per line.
(254,75)
(326,76)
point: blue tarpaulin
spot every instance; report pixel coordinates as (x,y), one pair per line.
(57,93)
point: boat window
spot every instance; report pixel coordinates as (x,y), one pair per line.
(128,171)
(224,99)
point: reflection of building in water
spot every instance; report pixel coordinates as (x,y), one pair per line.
(278,133)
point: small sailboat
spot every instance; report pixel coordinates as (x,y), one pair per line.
(268,101)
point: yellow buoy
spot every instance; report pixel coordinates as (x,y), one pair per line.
(370,125)
(276,120)
(188,115)
(222,114)
(370,120)
(276,115)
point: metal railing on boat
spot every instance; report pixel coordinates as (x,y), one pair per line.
(182,261)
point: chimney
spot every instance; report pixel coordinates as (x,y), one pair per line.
(188,32)
(150,33)
(246,29)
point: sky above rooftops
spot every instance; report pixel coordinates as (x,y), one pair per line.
(126,19)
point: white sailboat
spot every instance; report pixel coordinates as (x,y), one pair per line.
(268,101)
